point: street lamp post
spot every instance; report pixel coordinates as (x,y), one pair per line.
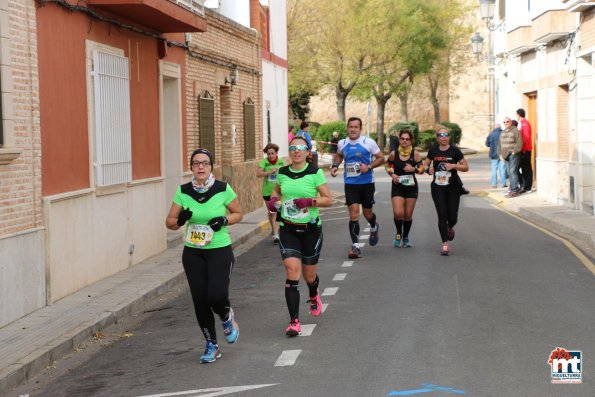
(487,10)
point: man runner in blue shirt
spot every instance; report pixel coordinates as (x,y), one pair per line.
(361,155)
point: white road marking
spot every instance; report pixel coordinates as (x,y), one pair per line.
(287,358)
(347,264)
(335,219)
(364,236)
(339,276)
(217,391)
(362,245)
(330,291)
(324,306)
(307,329)
(367,229)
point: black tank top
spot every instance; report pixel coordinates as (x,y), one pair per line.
(398,165)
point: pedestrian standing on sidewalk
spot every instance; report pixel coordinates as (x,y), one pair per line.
(444,161)
(525,167)
(498,166)
(207,205)
(402,165)
(334,143)
(511,144)
(300,190)
(361,155)
(267,169)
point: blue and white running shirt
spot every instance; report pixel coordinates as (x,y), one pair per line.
(361,150)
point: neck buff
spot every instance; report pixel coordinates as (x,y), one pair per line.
(405,152)
(205,186)
(273,162)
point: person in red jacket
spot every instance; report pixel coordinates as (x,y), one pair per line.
(526,168)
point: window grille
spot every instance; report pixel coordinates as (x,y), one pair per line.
(249,130)
(206,122)
(113,159)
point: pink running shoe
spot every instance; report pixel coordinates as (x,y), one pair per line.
(294,328)
(444,250)
(315,305)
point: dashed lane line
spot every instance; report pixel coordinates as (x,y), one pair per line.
(347,264)
(330,291)
(324,306)
(339,276)
(307,329)
(364,236)
(287,358)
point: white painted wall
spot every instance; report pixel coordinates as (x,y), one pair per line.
(274,79)
(236,10)
(89,235)
(22,275)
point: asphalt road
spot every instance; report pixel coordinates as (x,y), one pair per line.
(400,321)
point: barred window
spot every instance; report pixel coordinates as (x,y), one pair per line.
(249,130)
(206,122)
(111,96)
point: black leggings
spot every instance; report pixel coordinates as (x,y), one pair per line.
(208,272)
(446,199)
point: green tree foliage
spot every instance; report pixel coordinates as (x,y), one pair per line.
(324,133)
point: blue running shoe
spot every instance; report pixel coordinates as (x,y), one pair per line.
(230,328)
(406,242)
(397,241)
(211,353)
(373,240)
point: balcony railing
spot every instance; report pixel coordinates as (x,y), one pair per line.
(196,6)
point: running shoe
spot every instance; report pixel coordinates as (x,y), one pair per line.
(373,240)
(355,252)
(275,239)
(450,234)
(406,242)
(315,305)
(211,353)
(397,241)
(294,328)
(444,250)
(230,328)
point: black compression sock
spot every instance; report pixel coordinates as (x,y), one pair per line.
(399,226)
(292,297)
(313,288)
(373,221)
(354,231)
(407,227)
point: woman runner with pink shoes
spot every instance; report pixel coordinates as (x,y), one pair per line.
(300,189)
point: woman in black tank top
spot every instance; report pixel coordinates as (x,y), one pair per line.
(402,165)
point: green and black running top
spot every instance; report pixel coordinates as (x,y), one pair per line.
(269,181)
(299,184)
(206,206)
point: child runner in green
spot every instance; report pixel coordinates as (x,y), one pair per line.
(267,169)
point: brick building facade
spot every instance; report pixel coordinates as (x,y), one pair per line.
(227,50)
(22,267)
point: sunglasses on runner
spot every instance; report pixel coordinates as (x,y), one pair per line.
(443,134)
(299,148)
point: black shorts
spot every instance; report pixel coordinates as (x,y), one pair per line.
(303,243)
(360,194)
(266,198)
(399,190)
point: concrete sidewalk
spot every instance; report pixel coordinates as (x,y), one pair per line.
(31,343)
(576,226)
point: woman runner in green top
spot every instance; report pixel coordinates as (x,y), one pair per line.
(301,188)
(207,206)
(267,169)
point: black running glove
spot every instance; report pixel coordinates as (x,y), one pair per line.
(185,214)
(217,223)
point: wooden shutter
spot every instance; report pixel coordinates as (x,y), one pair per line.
(249,130)
(206,122)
